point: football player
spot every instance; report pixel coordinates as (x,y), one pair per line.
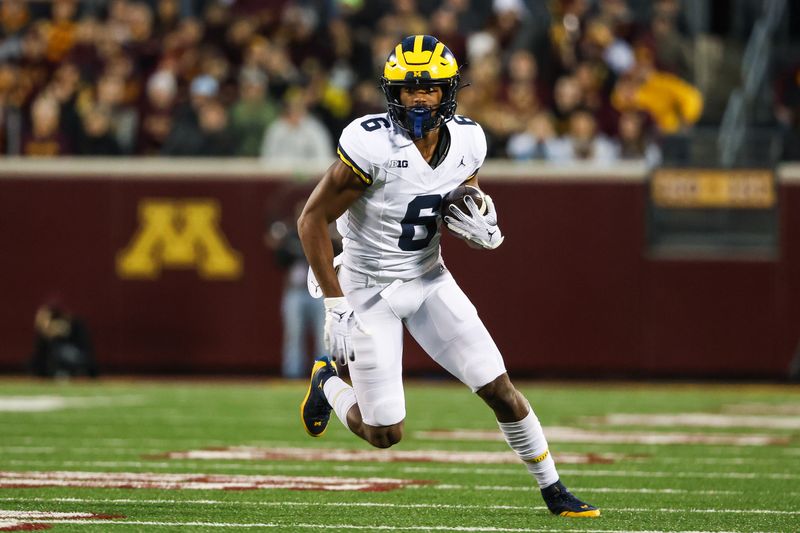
(385,192)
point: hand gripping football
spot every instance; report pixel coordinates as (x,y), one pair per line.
(456,198)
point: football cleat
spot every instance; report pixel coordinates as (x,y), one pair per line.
(562,502)
(315,411)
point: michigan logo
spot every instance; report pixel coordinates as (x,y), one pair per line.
(179,234)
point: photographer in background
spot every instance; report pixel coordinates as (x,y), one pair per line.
(62,347)
(302,313)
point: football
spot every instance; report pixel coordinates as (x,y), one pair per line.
(456,197)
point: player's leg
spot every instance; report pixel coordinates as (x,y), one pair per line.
(448,328)
(374,407)
(523,432)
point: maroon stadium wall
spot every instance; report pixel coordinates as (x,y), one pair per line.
(166,262)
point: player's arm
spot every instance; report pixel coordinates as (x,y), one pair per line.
(336,191)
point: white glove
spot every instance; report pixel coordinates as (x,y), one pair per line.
(340,323)
(480,229)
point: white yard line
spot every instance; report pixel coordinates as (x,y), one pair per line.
(604,473)
(701,420)
(250,466)
(21,514)
(621,490)
(340,455)
(511,470)
(46,403)
(31,450)
(356,527)
(196,481)
(596,436)
(736,460)
(754,408)
(43,515)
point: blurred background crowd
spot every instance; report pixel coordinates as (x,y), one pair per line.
(556,80)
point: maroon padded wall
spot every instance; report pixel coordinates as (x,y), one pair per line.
(571,291)
(788,292)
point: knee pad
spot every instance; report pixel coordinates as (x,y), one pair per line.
(387,412)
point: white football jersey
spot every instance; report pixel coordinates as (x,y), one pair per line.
(392,231)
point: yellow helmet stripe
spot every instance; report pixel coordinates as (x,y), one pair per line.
(437,52)
(418,56)
(418,43)
(401,60)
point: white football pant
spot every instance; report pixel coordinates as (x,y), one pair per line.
(438,315)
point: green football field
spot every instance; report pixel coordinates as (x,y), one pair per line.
(209,456)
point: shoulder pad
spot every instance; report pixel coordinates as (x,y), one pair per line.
(364,144)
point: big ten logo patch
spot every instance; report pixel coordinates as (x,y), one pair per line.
(398,163)
(179,234)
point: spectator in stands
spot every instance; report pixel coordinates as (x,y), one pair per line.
(45,139)
(523,68)
(297,135)
(536,142)
(306,43)
(444,24)
(567,98)
(253,113)
(62,346)
(166,17)
(672,50)
(508,24)
(157,112)
(15,16)
(618,15)
(367,99)
(481,99)
(34,69)
(787,110)
(565,33)
(6,108)
(275,61)
(673,104)
(583,143)
(185,138)
(332,50)
(59,33)
(110,93)
(84,52)
(97,137)
(64,87)
(634,141)
(216,137)
(592,78)
(404,19)
(142,42)
(240,34)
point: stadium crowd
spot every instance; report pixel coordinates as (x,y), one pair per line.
(560,80)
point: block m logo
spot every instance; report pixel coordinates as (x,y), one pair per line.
(179,234)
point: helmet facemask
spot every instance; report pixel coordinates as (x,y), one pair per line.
(419,120)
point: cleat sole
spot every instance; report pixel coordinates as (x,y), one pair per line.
(594,513)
